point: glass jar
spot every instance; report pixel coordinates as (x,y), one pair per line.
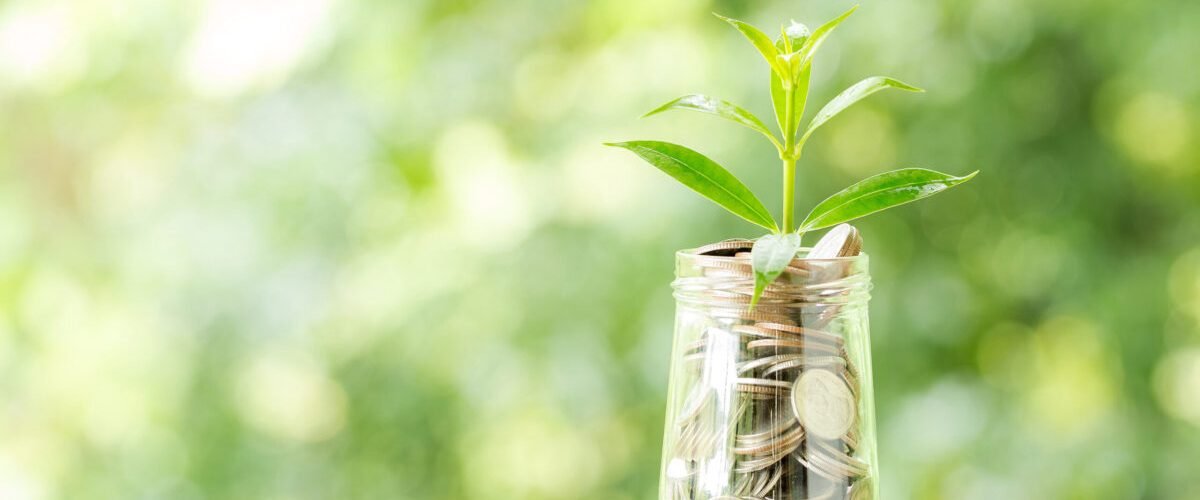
(773,402)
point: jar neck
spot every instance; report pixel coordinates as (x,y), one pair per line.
(727,282)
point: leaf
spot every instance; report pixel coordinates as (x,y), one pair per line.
(704,176)
(761,41)
(777,102)
(818,37)
(877,193)
(769,257)
(713,106)
(853,94)
(790,63)
(796,34)
(799,97)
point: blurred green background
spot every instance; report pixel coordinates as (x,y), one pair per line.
(313,249)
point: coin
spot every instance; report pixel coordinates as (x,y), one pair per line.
(822,472)
(803,332)
(767,361)
(794,383)
(781,445)
(823,403)
(728,263)
(763,382)
(725,247)
(862,490)
(774,430)
(841,241)
(805,361)
(770,484)
(758,389)
(739,312)
(835,459)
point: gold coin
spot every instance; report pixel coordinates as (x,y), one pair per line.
(823,403)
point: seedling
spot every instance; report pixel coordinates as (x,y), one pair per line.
(790,58)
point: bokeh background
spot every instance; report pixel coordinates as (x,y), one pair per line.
(315,249)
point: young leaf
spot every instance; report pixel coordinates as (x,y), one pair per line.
(818,37)
(795,33)
(853,94)
(790,63)
(778,102)
(769,257)
(704,176)
(877,193)
(713,106)
(761,41)
(799,97)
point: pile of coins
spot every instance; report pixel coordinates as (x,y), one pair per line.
(772,405)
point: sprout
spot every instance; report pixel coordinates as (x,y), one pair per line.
(790,59)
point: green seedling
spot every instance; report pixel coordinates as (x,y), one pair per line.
(790,58)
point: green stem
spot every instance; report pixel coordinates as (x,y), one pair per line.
(789,192)
(788,156)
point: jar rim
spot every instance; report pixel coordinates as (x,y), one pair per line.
(689,253)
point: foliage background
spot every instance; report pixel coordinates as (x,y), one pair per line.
(374,249)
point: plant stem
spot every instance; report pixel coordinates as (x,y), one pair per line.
(789,192)
(788,156)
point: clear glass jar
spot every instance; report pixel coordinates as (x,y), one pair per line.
(775,402)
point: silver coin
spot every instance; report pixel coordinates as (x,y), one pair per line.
(834,461)
(802,332)
(839,459)
(812,468)
(823,403)
(773,343)
(782,445)
(725,246)
(862,490)
(841,241)
(763,382)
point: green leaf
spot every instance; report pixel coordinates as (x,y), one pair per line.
(853,94)
(761,41)
(795,34)
(777,101)
(818,37)
(769,257)
(713,106)
(799,97)
(877,193)
(704,176)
